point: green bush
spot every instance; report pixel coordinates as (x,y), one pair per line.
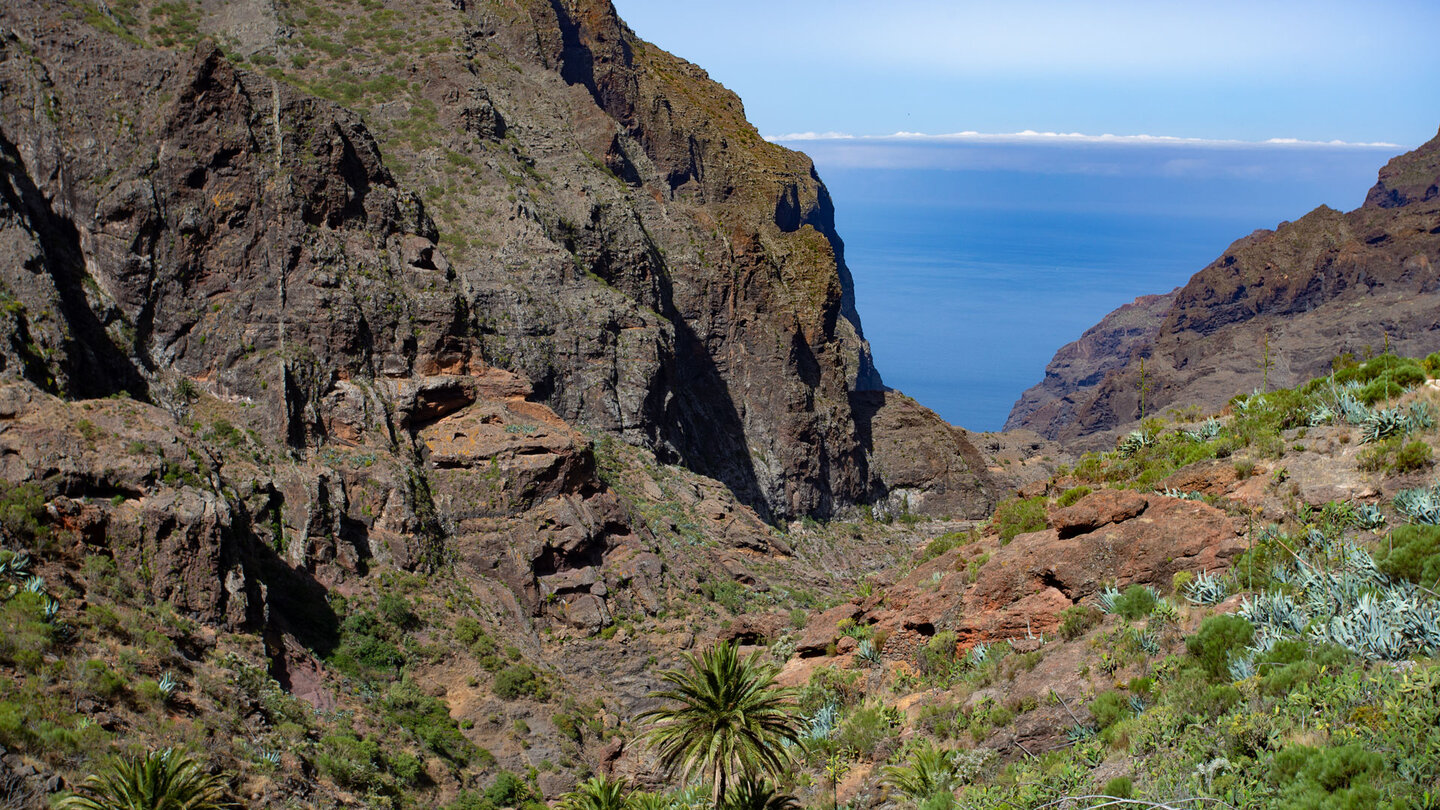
(1120,787)
(509,790)
(1073,494)
(365,648)
(1217,637)
(1413,553)
(1076,621)
(1018,516)
(517,681)
(1109,708)
(429,720)
(22,508)
(398,611)
(1135,602)
(1413,456)
(942,544)
(867,727)
(100,680)
(938,654)
(25,636)
(1338,778)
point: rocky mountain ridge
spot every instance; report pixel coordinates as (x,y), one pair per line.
(1273,310)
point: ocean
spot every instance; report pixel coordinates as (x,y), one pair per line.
(975,261)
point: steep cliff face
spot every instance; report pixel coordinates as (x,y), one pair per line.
(588,211)
(1275,308)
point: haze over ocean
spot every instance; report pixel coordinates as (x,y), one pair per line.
(975,259)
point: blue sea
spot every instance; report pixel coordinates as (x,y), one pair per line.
(974,262)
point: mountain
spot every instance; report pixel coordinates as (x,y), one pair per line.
(331,198)
(378,379)
(1273,310)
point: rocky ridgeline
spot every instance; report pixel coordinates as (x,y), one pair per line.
(1273,310)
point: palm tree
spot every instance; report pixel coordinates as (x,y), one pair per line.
(598,793)
(726,718)
(931,770)
(159,780)
(758,794)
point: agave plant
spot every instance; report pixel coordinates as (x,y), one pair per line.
(1350,407)
(1420,417)
(160,779)
(168,686)
(1384,423)
(821,725)
(1420,505)
(978,654)
(1275,610)
(1145,641)
(1164,612)
(1320,414)
(1206,431)
(1368,516)
(867,653)
(1106,599)
(1137,704)
(1133,442)
(1206,589)
(1242,667)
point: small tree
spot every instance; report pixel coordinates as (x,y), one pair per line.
(160,779)
(725,718)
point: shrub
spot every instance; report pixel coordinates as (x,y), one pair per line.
(22,507)
(1137,601)
(1327,778)
(1109,708)
(938,654)
(867,728)
(1076,621)
(1120,787)
(365,649)
(517,681)
(429,720)
(1413,553)
(396,610)
(1073,494)
(1217,637)
(509,790)
(1018,516)
(100,680)
(1414,456)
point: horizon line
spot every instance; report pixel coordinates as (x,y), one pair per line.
(1031,136)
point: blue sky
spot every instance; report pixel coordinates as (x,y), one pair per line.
(1254,70)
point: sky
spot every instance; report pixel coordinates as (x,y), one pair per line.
(1005,173)
(1219,69)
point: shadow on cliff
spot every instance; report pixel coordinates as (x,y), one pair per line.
(702,423)
(94,366)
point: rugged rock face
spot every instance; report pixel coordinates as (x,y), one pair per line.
(1276,307)
(598,217)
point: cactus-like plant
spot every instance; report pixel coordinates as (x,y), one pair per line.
(1105,600)
(1384,423)
(1420,417)
(1134,442)
(1368,516)
(979,654)
(822,723)
(1420,505)
(866,652)
(167,685)
(1207,589)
